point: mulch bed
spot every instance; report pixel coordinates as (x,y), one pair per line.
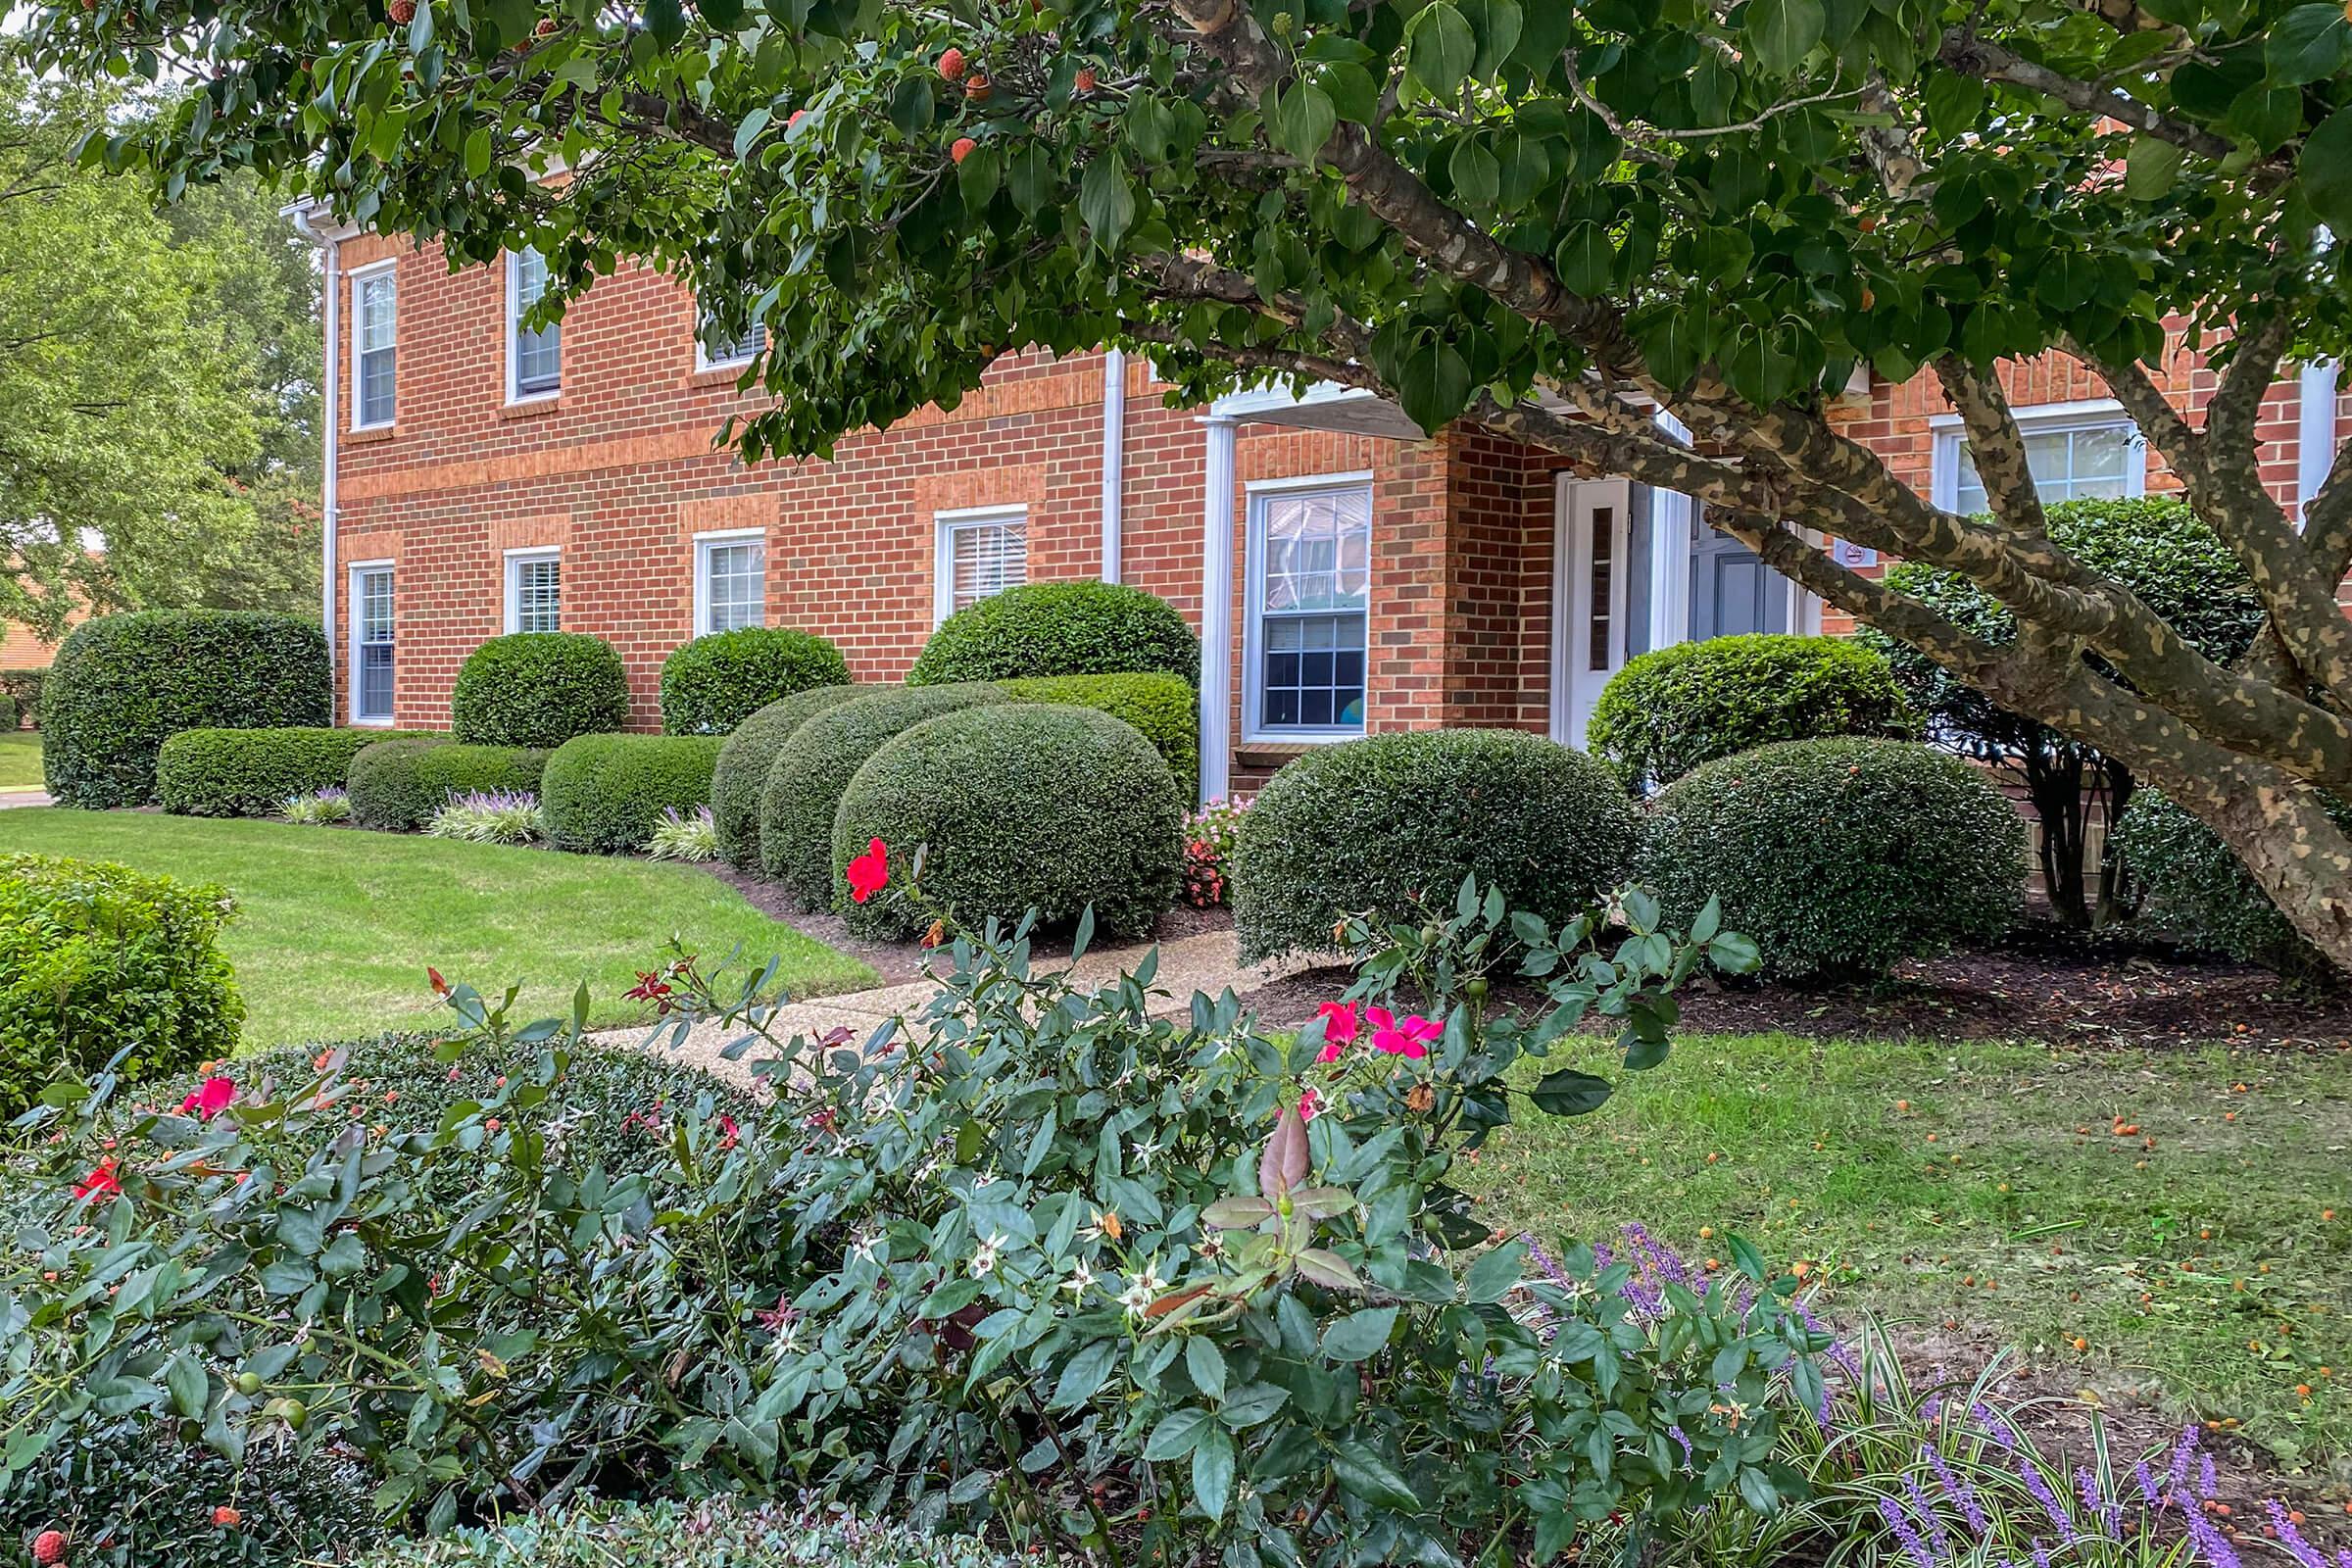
(2043,983)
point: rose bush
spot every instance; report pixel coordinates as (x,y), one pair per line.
(1035,1262)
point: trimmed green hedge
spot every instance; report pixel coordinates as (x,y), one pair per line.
(25,686)
(1840,857)
(1018,807)
(1391,823)
(711,685)
(1060,628)
(604,793)
(400,784)
(96,958)
(122,685)
(2192,887)
(539,688)
(716,1532)
(1665,713)
(1165,708)
(804,784)
(250,772)
(744,762)
(10,721)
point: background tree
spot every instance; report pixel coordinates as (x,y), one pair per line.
(1546,218)
(157,383)
(2156,547)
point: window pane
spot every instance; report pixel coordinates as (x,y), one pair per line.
(1311,674)
(376,386)
(538,594)
(538,355)
(735,585)
(2066,464)
(1318,550)
(373,324)
(372,619)
(721,350)
(986,558)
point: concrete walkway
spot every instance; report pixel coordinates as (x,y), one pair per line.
(9,798)
(1206,962)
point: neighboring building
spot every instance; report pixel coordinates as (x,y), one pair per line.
(1347,573)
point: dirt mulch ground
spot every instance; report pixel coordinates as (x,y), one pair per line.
(2043,983)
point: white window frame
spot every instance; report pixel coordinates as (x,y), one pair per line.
(1254,602)
(703,361)
(386,272)
(945,527)
(515,314)
(357,571)
(703,546)
(2045,418)
(515,560)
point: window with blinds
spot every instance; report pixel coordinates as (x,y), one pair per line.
(980,555)
(374,338)
(716,348)
(371,665)
(535,592)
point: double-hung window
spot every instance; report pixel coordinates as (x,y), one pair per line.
(534,590)
(2075,452)
(981,552)
(371,664)
(713,350)
(1310,593)
(730,582)
(534,355)
(374,348)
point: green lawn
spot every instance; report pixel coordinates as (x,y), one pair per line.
(335,926)
(21,759)
(1950,1184)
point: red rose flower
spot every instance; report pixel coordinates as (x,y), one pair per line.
(100,1183)
(869,873)
(209,1101)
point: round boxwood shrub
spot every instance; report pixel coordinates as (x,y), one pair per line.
(400,784)
(743,761)
(10,721)
(712,684)
(1667,712)
(804,784)
(603,793)
(96,958)
(539,688)
(1383,825)
(1165,708)
(1018,807)
(122,684)
(250,772)
(2194,887)
(1060,628)
(1840,857)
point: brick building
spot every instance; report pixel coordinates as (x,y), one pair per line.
(1347,573)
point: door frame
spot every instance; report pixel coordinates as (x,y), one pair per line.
(1574,502)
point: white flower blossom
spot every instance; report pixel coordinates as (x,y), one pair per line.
(1081,1281)
(1143,1290)
(984,1259)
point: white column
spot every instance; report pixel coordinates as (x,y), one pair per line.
(1671,518)
(1216,609)
(1114,457)
(2314,431)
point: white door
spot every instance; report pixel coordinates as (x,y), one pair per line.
(1594,536)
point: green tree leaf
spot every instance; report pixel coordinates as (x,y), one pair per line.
(1440,50)
(2310,43)
(1784,31)
(2326,171)
(1360,1334)
(1303,120)
(1106,201)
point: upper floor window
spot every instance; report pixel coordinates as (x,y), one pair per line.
(2075,452)
(374,320)
(730,582)
(534,355)
(534,590)
(1309,595)
(715,349)
(981,552)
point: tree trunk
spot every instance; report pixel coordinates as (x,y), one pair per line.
(2118,900)
(2281,830)
(2054,785)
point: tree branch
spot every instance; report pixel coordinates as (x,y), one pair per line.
(1996,447)
(1969,55)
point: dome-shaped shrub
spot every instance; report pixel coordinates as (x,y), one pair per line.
(603,793)
(1060,628)
(1165,708)
(816,764)
(744,762)
(399,784)
(1017,807)
(539,688)
(1387,823)
(712,684)
(123,683)
(2194,887)
(1840,857)
(1667,712)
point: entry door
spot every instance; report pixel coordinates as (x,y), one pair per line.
(1594,534)
(1732,591)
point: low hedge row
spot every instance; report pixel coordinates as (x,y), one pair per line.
(715,1532)
(250,772)
(121,685)
(97,958)
(740,775)
(400,784)
(24,687)
(540,689)
(1017,807)
(603,793)
(1164,706)
(711,685)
